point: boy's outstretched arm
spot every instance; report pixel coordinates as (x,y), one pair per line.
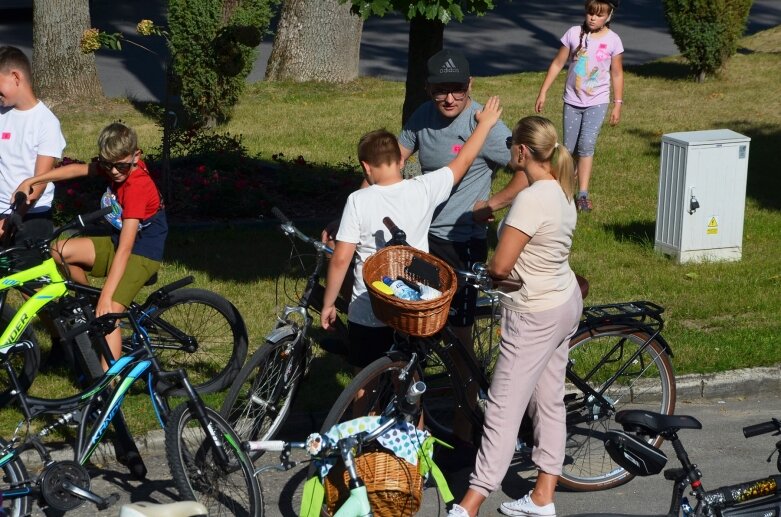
(27,187)
(337,269)
(486,119)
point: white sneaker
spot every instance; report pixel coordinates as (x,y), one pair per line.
(457,511)
(525,507)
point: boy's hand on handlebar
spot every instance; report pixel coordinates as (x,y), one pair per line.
(26,188)
(491,113)
(328,317)
(328,236)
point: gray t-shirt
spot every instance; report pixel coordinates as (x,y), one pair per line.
(437,140)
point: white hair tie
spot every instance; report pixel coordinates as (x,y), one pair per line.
(556,145)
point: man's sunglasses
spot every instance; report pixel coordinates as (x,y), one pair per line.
(121,167)
(440,94)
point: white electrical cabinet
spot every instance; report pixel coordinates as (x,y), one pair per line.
(702,195)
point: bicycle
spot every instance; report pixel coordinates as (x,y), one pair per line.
(630,448)
(203,452)
(618,360)
(188,328)
(348,446)
(261,396)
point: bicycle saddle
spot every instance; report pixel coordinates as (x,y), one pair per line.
(181,509)
(653,424)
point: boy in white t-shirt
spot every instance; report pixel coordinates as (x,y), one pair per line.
(410,204)
(30,143)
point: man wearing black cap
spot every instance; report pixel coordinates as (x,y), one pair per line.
(437,130)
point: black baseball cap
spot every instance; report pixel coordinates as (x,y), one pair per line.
(448,66)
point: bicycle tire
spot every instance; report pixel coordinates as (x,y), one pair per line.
(26,362)
(219,332)
(15,476)
(230,490)
(439,402)
(649,383)
(260,399)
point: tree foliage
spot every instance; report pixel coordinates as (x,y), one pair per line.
(707,31)
(212,44)
(441,10)
(426,33)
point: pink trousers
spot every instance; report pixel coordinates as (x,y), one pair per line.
(529,372)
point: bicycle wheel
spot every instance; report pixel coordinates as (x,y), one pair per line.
(260,398)
(212,344)
(15,478)
(225,490)
(440,402)
(648,382)
(369,393)
(25,362)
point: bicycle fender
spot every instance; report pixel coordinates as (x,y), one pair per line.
(278,334)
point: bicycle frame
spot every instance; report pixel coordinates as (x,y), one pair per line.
(54,287)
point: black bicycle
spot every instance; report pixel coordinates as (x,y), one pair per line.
(262,394)
(630,448)
(618,359)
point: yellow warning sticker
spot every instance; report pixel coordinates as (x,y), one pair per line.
(713,226)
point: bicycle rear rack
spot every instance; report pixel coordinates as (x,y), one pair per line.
(638,313)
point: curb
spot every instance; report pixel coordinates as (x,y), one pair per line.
(691,388)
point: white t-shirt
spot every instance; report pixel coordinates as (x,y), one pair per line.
(25,135)
(410,204)
(544,213)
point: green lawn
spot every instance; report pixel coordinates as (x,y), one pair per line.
(719,316)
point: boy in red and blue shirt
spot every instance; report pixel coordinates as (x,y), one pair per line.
(132,254)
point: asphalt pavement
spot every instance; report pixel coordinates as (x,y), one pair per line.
(723,403)
(515,37)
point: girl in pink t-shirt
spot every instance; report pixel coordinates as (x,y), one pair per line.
(594,53)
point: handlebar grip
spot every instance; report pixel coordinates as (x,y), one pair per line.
(763,428)
(390,225)
(266,445)
(85,219)
(279,215)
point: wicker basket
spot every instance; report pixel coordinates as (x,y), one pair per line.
(417,318)
(394,485)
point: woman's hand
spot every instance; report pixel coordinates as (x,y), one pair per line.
(26,188)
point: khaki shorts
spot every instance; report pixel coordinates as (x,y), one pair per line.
(139,269)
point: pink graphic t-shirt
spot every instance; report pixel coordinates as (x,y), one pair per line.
(588,78)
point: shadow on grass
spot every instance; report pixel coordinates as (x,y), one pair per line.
(672,70)
(639,233)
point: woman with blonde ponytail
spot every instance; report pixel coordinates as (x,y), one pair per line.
(538,321)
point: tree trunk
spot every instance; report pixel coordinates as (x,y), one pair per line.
(60,70)
(426,38)
(316,40)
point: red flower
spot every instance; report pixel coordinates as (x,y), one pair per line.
(71,191)
(201,169)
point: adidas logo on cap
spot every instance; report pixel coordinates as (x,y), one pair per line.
(449,67)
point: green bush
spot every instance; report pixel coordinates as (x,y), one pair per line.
(212,45)
(706,31)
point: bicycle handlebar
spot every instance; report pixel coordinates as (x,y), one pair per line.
(765,427)
(290,229)
(79,222)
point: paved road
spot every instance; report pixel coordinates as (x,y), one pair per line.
(517,36)
(719,449)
